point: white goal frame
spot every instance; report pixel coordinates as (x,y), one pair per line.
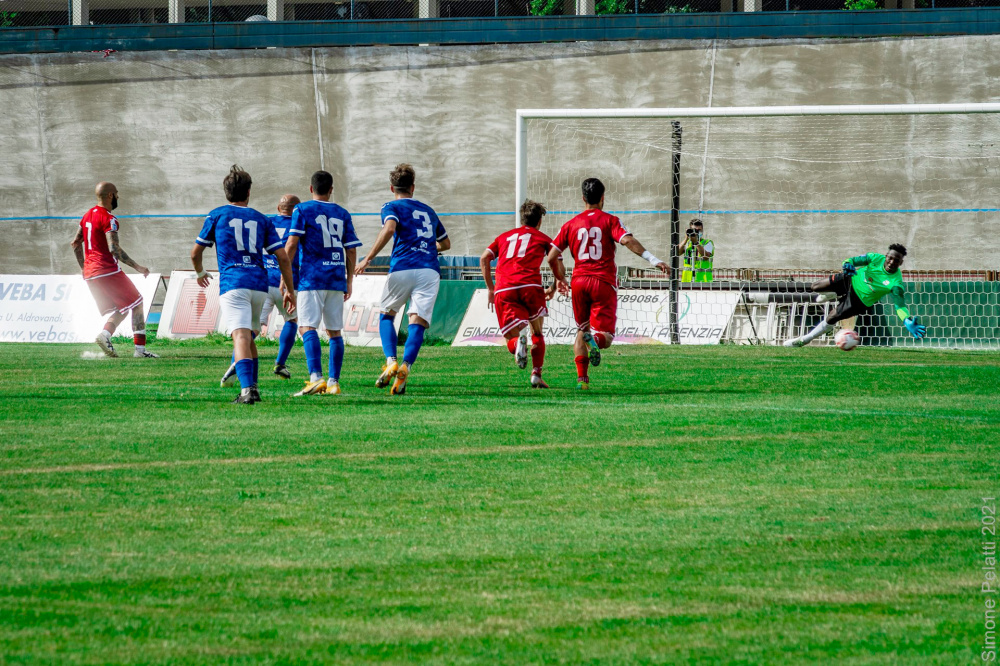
(523,115)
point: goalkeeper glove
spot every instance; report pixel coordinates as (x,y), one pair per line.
(915,329)
(849,269)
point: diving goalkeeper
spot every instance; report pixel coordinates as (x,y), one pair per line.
(863,282)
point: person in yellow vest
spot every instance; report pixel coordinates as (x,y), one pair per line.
(697,252)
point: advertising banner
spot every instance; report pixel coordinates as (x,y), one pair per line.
(190,311)
(58,308)
(642,319)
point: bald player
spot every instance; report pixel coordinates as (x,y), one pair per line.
(98,252)
(275,296)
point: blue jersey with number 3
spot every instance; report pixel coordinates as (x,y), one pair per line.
(417,231)
(325,231)
(241,235)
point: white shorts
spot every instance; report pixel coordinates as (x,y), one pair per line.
(240,308)
(419,286)
(320,305)
(274,300)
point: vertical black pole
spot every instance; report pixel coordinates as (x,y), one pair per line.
(675,234)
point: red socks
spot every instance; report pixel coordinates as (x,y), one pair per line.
(582,363)
(139,339)
(512,345)
(537,352)
(602,340)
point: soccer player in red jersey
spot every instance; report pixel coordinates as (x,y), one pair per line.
(98,253)
(518,294)
(591,237)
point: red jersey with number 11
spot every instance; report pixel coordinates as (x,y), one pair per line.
(97,258)
(591,237)
(519,254)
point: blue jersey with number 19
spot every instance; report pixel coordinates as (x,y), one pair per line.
(325,231)
(241,235)
(417,231)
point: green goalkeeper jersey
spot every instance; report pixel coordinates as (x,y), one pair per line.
(872,282)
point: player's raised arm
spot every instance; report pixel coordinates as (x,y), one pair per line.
(77,246)
(633,244)
(388,230)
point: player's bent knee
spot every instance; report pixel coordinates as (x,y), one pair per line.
(333,334)
(603,340)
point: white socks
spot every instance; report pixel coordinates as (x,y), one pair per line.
(821,328)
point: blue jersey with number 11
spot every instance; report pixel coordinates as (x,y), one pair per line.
(240,235)
(325,232)
(417,231)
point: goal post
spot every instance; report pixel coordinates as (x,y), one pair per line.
(787,193)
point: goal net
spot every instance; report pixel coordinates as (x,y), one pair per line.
(785,194)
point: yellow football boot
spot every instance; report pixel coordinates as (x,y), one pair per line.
(317,387)
(399,386)
(389,371)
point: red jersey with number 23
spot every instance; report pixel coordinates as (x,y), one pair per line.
(591,237)
(97,258)
(519,254)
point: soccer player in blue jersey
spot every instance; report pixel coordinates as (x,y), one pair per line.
(414,273)
(241,235)
(282,223)
(329,248)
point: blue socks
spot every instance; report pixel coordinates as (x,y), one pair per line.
(414,339)
(336,358)
(245,372)
(314,353)
(286,341)
(387,331)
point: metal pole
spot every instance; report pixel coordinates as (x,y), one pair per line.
(675,233)
(209,11)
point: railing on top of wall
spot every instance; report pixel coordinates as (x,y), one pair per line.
(504,30)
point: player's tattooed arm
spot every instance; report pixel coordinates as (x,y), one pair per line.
(121,255)
(77,246)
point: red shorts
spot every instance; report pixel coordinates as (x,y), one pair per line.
(519,306)
(114,292)
(595,302)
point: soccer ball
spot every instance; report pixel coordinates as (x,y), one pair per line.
(847,340)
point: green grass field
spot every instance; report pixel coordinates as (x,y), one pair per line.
(716,504)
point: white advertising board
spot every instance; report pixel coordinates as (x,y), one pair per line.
(642,319)
(190,311)
(58,308)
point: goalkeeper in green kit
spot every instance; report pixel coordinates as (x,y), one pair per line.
(862,284)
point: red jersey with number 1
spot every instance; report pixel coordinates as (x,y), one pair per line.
(97,258)
(519,254)
(591,237)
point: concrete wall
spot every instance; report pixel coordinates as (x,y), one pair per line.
(165,126)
